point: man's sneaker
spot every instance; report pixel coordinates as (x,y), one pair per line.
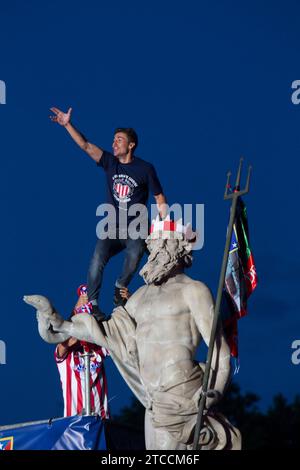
(97,314)
(118,299)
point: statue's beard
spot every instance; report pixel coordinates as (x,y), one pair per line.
(158,267)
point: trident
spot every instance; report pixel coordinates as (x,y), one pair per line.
(204,392)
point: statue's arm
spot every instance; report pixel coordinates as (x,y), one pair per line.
(202,309)
(54,329)
(84,327)
(47,331)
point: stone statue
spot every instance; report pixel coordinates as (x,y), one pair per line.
(153,340)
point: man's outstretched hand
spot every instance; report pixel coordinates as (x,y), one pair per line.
(60,117)
(64,119)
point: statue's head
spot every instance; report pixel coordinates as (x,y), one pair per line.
(170,246)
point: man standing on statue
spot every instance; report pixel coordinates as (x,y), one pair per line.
(129,179)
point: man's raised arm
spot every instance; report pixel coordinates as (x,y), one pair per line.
(161,204)
(64,119)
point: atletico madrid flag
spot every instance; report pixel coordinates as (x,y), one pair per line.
(6,443)
(240,278)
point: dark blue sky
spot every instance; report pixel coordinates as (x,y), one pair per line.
(202,83)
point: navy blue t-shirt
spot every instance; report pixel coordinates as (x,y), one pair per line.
(129,183)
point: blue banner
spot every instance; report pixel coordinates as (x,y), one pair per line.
(72,433)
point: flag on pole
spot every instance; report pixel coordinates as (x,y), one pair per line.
(240,278)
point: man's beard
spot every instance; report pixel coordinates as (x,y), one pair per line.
(157,268)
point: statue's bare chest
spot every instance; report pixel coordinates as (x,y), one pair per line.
(161,301)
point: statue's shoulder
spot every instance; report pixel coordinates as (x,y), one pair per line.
(193,283)
(194,287)
(134,299)
(139,291)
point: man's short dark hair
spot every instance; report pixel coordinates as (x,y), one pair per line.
(131,134)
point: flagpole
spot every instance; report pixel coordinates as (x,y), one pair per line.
(204,392)
(87,389)
(84,306)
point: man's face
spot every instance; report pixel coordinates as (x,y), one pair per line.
(120,145)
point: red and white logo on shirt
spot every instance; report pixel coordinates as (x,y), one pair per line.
(123,187)
(72,376)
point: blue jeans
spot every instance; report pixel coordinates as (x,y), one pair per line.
(106,249)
